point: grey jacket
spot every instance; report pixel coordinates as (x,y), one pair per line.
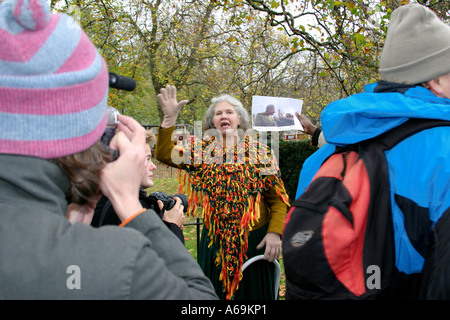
(43,256)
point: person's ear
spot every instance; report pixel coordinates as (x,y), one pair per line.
(435,86)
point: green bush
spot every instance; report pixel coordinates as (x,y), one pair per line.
(292,154)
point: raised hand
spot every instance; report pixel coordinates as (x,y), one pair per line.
(171,107)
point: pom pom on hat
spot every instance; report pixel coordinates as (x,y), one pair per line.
(53,83)
(417,46)
(31,14)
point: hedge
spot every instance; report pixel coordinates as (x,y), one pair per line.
(292,154)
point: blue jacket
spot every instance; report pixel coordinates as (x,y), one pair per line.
(419,166)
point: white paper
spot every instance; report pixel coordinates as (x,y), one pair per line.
(283,118)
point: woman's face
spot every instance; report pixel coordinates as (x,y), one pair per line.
(147,178)
(226,119)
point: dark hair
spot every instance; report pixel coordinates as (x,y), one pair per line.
(83,170)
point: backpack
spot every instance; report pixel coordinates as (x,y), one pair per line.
(338,238)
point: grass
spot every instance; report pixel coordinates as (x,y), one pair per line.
(170,186)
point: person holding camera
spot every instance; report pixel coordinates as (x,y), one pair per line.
(170,209)
(53,167)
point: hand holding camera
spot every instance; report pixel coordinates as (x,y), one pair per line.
(174,215)
(120,179)
(171,208)
(168,201)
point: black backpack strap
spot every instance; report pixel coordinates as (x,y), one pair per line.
(390,138)
(105,209)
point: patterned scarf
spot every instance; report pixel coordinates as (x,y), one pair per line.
(229,183)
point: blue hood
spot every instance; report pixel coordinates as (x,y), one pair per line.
(369,114)
(416,174)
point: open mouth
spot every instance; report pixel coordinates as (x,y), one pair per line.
(225,125)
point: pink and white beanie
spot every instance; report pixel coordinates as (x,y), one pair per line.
(53,83)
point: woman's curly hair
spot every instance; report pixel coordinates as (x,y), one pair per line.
(83,170)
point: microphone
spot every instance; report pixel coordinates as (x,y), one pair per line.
(121,82)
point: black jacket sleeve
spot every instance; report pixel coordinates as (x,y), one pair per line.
(436,272)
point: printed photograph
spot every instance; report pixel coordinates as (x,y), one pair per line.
(275,113)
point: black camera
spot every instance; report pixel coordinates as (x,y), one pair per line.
(168,202)
(119,82)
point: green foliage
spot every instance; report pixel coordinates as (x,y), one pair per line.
(292,155)
(314,50)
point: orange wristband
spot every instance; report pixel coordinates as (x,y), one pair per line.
(132,217)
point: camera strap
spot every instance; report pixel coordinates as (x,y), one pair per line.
(105,209)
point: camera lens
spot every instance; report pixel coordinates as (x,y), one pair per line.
(110,131)
(113,117)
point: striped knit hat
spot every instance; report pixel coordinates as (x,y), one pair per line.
(53,83)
